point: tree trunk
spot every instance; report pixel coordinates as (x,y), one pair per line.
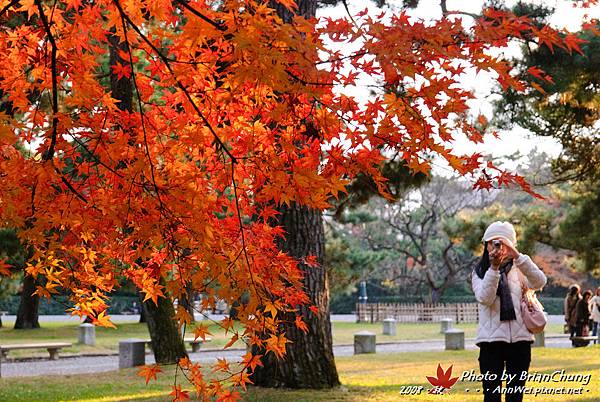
(167,343)
(121,89)
(436,294)
(309,359)
(306,8)
(27,315)
(141,307)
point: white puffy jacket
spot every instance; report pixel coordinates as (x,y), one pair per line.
(490,327)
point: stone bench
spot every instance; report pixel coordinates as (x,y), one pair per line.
(51,347)
(364,342)
(194,343)
(579,341)
(455,339)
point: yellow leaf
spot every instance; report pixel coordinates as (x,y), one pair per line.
(103,320)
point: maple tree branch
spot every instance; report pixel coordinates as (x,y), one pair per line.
(198,14)
(351,56)
(345,3)
(167,64)
(70,186)
(304,82)
(96,158)
(444,8)
(8,6)
(49,154)
(456,12)
(33,190)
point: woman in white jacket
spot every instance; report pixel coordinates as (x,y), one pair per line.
(595,309)
(503,339)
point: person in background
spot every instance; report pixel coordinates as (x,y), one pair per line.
(595,309)
(583,314)
(503,339)
(570,303)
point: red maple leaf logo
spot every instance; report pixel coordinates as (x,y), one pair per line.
(443,381)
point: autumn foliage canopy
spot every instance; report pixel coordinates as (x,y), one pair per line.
(234,112)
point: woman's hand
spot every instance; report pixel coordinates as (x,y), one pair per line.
(510,251)
(496,257)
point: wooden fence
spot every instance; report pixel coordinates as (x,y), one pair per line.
(417,312)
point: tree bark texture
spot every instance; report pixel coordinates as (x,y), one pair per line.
(121,89)
(167,343)
(27,315)
(309,361)
(306,8)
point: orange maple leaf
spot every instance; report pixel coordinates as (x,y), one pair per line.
(311,261)
(241,380)
(251,361)
(149,372)
(443,378)
(178,394)
(201,331)
(228,396)
(276,344)
(5,268)
(301,325)
(221,365)
(289,4)
(154,293)
(121,70)
(233,340)
(227,324)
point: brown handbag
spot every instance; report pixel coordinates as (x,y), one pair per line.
(532,311)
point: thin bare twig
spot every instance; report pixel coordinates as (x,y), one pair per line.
(49,154)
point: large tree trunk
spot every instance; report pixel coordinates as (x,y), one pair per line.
(309,359)
(27,315)
(167,343)
(308,362)
(121,89)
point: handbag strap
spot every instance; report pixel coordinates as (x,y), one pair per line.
(524,288)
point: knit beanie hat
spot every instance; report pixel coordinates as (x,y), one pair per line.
(503,230)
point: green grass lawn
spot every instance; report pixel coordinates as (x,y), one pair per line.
(107,339)
(378,377)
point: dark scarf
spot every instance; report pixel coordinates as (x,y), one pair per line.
(507,310)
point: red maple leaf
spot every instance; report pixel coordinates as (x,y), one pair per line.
(443,378)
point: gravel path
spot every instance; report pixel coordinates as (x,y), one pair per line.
(96,364)
(9,320)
